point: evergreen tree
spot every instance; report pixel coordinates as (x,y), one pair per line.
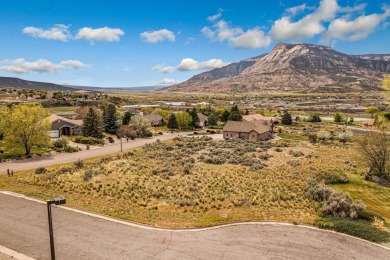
(172,122)
(286,118)
(110,119)
(126,118)
(338,118)
(212,119)
(92,125)
(225,116)
(235,116)
(195,118)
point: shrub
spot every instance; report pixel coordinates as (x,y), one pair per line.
(332,177)
(345,136)
(323,135)
(79,164)
(317,191)
(341,204)
(87,175)
(71,149)
(296,153)
(88,140)
(40,170)
(61,143)
(294,163)
(110,139)
(312,138)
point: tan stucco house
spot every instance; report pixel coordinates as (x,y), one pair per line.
(258,130)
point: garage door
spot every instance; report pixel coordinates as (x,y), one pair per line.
(54,134)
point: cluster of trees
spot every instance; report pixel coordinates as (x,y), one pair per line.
(95,122)
(184,120)
(338,118)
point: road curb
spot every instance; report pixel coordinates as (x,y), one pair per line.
(232,224)
(14,254)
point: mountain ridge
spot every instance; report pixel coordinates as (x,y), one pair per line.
(294,67)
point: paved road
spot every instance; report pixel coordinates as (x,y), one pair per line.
(69,157)
(23,228)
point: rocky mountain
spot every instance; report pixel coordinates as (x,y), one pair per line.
(6,82)
(294,67)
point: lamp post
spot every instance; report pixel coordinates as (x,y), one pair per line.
(57,201)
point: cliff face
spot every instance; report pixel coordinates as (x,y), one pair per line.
(294,67)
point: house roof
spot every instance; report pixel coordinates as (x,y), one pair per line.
(153,118)
(54,118)
(259,126)
(255,117)
(202,117)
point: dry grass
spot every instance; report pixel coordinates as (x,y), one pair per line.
(170,185)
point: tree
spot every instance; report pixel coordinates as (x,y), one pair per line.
(235,116)
(195,118)
(372,110)
(82,111)
(92,124)
(24,125)
(126,131)
(286,118)
(338,118)
(375,151)
(140,125)
(314,118)
(172,122)
(184,120)
(212,119)
(225,116)
(110,119)
(126,118)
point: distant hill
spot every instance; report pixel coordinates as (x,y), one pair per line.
(130,89)
(6,82)
(294,67)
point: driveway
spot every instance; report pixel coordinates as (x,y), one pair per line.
(44,161)
(24,228)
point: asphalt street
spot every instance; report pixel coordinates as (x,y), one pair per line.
(24,228)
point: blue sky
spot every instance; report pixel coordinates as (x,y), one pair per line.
(142,43)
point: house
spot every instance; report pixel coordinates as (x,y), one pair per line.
(134,111)
(254,117)
(371,123)
(202,120)
(154,120)
(62,126)
(258,130)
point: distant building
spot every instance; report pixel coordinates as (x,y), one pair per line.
(154,120)
(258,130)
(134,111)
(202,120)
(62,126)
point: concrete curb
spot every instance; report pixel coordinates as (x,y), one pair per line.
(14,254)
(146,227)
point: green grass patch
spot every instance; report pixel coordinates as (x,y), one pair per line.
(61,110)
(359,228)
(375,196)
(19,151)
(293,137)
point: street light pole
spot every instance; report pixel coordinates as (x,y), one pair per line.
(57,201)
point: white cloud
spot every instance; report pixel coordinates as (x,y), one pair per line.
(356,29)
(100,34)
(163,68)
(21,66)
(351,9)
(235,36)
(252,39)
(59,32)
(168,81)
(307,27)
(293,11)
(158,36)
(214,17)
(191,64)
(75,64)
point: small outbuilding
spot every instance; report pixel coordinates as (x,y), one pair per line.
(202,120)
